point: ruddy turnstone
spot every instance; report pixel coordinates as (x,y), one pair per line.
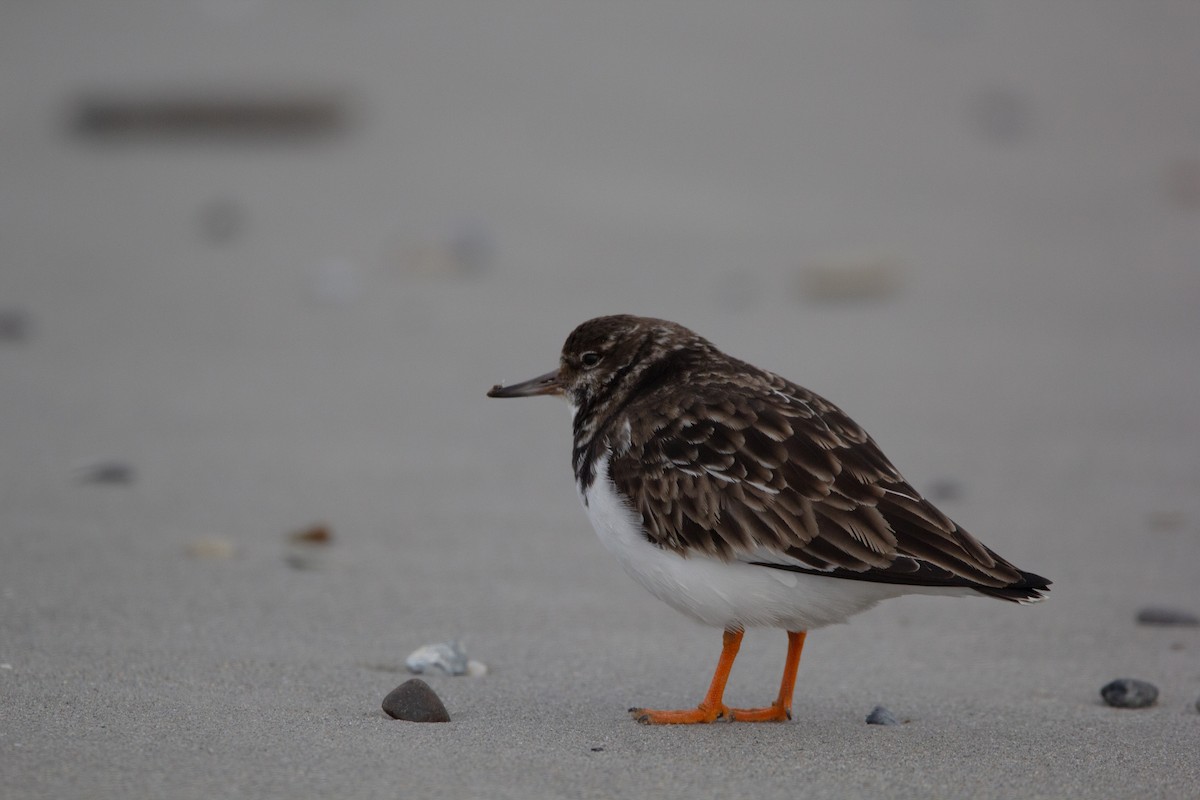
(741,499)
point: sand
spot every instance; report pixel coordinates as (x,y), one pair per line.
(1007,189)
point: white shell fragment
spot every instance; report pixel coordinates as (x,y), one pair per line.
(448,658)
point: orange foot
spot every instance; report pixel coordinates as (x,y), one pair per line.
(772,713)
(689,716)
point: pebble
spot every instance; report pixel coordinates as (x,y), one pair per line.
(415,701)
(304,561)
(216,547)
(945,489)
(881,716)
(863,275)
(109,473)
(305,546)
(1162,615)
(14,325)
(313,535)
(1129,693)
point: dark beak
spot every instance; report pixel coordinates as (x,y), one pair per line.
(542,384)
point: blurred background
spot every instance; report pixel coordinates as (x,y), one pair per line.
(260,260)
(275,252)
(337,224)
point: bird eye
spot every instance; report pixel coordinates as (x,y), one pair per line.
(589,359)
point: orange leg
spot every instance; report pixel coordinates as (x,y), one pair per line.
(781,709)
(712,707)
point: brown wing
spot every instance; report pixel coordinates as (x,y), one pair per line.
(778,476)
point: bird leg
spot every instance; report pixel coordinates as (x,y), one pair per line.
(712,707)
(781,709)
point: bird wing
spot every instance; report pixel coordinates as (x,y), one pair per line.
(778,476)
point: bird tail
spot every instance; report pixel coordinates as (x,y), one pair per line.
(1030,588)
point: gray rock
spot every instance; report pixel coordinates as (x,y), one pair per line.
(852,275)
(415,701)
(307,549)
(881,716)
(109,473)
(944,489)
(1129,693)
(1162,615)
(14,325)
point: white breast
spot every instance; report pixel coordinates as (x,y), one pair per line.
(726,594)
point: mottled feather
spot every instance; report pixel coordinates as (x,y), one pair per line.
(725,460)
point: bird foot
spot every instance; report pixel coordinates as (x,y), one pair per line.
(772,713)
(687,716)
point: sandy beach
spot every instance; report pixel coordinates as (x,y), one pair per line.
(974,228)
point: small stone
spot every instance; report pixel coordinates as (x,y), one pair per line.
(448,658)
(863,275)
(14,325)
(108,473)
(945,489)
(304,561)
(476,669)
(305,548)
(881,716)
(215,547)
(313,535)
(598,749)
(1162,615)
(415,701)
(1129,693)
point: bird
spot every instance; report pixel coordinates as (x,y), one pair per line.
(744,500)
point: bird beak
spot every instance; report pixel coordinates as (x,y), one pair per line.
(542,384)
